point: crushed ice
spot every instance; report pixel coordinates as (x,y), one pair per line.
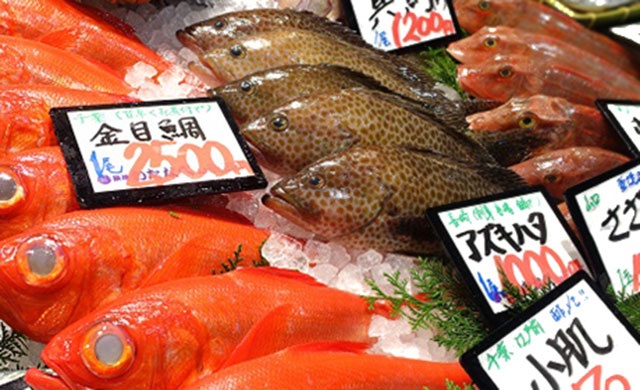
(289,246)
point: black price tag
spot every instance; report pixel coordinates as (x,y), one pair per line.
(572,339)
(395,26)
(624,116)
(518,232)
(154,151)
(606,210)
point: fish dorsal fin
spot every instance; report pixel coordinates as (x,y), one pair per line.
(266,336)
(282,273)
(331,346)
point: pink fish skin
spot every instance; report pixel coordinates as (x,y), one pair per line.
(507,76)
(538,18)
(561,169)
(491,41)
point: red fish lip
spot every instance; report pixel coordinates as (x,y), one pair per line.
(455,52)
(40,380)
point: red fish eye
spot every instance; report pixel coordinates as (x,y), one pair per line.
(41,262)
(490,43)
(484,5)
(12,191)
(107,351)
(505,73)
(527,122)
(551,179)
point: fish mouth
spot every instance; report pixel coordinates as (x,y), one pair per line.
(466,77)
(189,41)
(282,203)
(57,380)
(456,52)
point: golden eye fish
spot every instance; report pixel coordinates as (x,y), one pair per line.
(24,119)
(337,365)
(490,41)
(80,29)
(25,61)
(309,128)
(561,169)
(539,18)
(377,197)
(173,334)
(507,76)
(67,267)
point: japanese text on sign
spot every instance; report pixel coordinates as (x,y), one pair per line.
(575,343)
(519,238)
(626,118)
(614,226)
(395,24)
(148,146)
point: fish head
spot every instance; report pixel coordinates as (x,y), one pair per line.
(300,133)
(475,14)
(139,343)
(485,44)
(224,29)
(336,196)
(52,274)
(532,113)
(500,78)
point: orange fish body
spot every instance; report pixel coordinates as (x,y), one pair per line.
(35,186)
(535,17)
(24,119)
(490,41)
(29,62)
(507,76)
(179,332)
(63,269)
(335,366)
(561,169)
(80,29)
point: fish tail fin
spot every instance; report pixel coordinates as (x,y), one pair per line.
(508,147)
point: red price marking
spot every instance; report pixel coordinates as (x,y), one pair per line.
(152,154)
(420,27)
(596,374)
(511,262)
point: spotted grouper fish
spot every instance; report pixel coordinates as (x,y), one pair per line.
(307,129)
(377,197)
(250,97)
(281,47)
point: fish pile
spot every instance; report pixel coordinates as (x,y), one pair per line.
(548,70)
(367,140)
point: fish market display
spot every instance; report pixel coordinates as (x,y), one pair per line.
(25,121)
(34,186)
(376,197)
(507,76)
(265,50)
(80,29)
(538,18)
(204,323)
(336,366)
(307,129)
(29,62)
(561,169)
(85,259)
(490,41)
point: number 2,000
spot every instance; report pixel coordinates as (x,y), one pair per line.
(420,27)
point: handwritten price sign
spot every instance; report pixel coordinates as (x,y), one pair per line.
(611,227)
(518,235)
(398,24)
(624,116)
(572,339)
(126,153)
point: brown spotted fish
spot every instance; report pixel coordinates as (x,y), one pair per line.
(288,46)
(307,129)
(257,94)
(376,197)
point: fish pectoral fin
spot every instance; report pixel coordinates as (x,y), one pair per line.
(67,39)
(267,336)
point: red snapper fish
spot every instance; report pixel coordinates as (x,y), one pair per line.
(80,29)
(535,17)
(173,334)
(337,366)
(490,41)
(507,76)
(67,267)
